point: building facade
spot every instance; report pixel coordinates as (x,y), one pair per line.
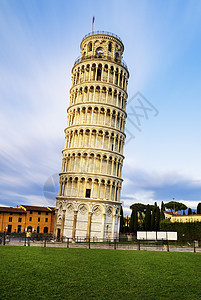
(37,218)
(182,218)
(88,204)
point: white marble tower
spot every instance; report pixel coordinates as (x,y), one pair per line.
(88,204)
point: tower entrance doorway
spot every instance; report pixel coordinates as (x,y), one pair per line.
(58,234)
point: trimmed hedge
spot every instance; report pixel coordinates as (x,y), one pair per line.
(186,231)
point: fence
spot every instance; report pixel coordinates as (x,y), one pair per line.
(94,243)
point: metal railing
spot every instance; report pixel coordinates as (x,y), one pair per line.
(103,57)
(102,32)
(106,243)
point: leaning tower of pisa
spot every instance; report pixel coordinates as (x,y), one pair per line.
(88,204)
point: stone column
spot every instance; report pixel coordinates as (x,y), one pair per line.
(90,72)
(62,224)
(108,74)
(103,225)
(89,226)
(84,72)
(110,198)
(92,114)
(60,187)
(78,189)
(118,78)
(103,141)
(102,70)
(113,224)
(106,98)
(118,224)
(74,224)
(115,122)
(112,166)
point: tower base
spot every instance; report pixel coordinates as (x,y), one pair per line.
(86,219)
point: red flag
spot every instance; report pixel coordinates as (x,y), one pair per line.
(93,20)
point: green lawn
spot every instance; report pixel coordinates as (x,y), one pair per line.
(56,273)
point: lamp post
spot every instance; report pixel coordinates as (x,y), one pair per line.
(25,239)
(4,237)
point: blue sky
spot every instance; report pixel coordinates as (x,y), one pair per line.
(39,43)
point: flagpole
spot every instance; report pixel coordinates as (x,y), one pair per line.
(93,24)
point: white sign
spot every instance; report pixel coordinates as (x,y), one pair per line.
(157,235)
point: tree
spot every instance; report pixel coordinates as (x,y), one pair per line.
(181,206)
(199,208)
(170,205)
(162,216)
(139,206)
(134,221)
(157,216)
(153,219)
(176,206)
(162,206)
(131,224)
(189,211)
(122,222)
(147,220)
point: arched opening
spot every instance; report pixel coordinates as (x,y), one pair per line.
(99,71)
(110,47)
(58,234)
(45,230)
(90,46)
(99,52)
(38,229)
(117,56)
(29,228)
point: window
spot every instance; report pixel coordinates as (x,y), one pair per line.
(116,56)
(90,46)
(11,214)
(10,219)
(38,219)
(9,228)
(30,219)
(31,212)
(19,228)
(39,213)
(46,213)
(99,74)
(88,193)
(20,214)
(46,219)
(99,52)
(45,230)
(110,47)
(29,227)
(20,220)
(38,229)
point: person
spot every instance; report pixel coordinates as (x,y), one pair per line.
(28,236)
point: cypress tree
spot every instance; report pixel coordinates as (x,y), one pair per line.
(189,211)
(162,206)
(162,216)
(122,222)
(157,222)
(147,220)
(131,224)
(135,212)
(153,217)
(199,208)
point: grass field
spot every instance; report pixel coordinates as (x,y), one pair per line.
(58,273)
